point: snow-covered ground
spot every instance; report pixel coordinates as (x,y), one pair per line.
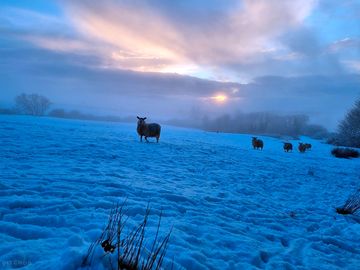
(231,207)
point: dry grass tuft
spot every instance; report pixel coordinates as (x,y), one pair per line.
(127,251)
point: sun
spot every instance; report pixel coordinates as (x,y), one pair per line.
(220,98)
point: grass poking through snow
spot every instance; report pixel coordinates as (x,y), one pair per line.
(129,250)
(351,206)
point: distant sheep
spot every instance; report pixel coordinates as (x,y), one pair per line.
(302,148)
(257,143)
(288,147)
(308,146)
(147,130)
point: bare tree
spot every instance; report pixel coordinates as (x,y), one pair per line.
(32,104)
(349,128)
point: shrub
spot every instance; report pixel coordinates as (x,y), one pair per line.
(351,206)
(128,251)
(7,111)
(58,113)
(345,153)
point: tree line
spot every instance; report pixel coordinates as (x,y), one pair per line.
(265,123)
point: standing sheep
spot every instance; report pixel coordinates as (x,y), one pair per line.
(257,143)
(308,146)
(302,147)
(147,130)
(288,147)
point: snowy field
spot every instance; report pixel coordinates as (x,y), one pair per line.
(231,207)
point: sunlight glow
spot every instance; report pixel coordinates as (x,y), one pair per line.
(220,98)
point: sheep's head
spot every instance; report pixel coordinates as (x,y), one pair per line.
(254,138)
(141,120)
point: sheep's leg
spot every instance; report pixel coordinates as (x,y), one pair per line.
(140,138)
(146,139)
(157,139)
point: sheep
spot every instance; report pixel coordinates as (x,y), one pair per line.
(288,147)
(257,143)
(302,147)
(147,130)
(308,146)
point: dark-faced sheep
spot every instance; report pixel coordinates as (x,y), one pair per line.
(302,148)
(288,147)
(308,146)
(148,130)
(257,143)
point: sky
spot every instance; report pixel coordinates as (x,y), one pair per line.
(184,59)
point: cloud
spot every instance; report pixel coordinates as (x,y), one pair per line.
(183,35)
(345,43)
(226,41)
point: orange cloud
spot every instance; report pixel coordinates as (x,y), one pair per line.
(145,37)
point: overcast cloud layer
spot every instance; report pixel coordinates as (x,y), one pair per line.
(167,59)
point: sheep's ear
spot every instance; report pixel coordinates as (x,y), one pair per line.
(144,118)
(138,117)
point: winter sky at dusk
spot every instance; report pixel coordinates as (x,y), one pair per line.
(167,59)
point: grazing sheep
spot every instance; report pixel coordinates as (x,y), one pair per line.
(302,147)
(257,143)
(147,130)
(308,146)
(288,147)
